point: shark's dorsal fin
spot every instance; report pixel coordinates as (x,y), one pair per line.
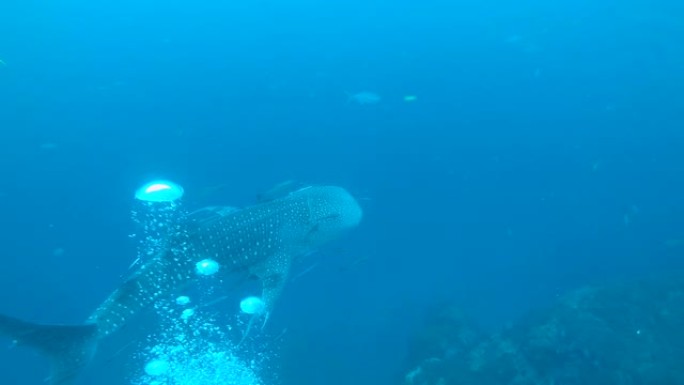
(209,214)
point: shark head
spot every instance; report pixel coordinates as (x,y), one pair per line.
(332,212)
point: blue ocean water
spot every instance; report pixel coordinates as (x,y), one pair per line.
(516,151)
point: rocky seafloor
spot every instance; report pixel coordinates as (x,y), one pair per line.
(622,334)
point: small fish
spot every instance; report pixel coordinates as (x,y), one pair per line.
(364,97)
(280,190)
(354,263)
(3,63)
(212,191)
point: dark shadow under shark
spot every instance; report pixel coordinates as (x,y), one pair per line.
(263,239)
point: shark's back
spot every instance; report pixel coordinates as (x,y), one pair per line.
(243,238)
(266,238)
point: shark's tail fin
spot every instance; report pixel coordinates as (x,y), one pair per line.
(69,347)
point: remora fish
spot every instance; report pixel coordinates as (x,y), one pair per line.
(279,190)
(263,239)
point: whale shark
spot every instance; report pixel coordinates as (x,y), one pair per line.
(263,240)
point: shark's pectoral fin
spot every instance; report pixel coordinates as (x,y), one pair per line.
(273,274)
(69,347)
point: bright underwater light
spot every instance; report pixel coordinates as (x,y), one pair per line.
(159,191)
